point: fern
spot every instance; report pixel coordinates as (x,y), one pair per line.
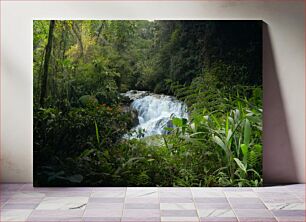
(255,156)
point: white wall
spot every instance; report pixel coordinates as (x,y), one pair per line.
(284,76)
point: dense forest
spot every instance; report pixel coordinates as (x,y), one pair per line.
(81,70)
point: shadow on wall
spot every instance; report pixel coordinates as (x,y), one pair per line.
(278,160)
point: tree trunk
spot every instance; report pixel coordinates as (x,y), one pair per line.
(77,33)
(44,81)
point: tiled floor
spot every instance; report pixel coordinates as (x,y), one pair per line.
(22,202)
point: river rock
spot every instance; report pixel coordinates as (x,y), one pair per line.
(133,112)
(135,120)
(135,94)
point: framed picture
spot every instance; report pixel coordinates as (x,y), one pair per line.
(147,103)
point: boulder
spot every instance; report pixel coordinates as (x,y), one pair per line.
(134,94)
(135,120)
(133,112)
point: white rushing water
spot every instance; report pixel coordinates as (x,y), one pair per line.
(155,111)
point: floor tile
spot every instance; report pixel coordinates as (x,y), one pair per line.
(175,189)
(285,206)
(67,193)
(62,203)
(216,213)
(274,189)
(177,206)
(19,206)
(246,203)
(14,214)
(208,193)
(140,219)
(237,189)
(272,197)
(210,200)
(104,205)
(25,200)
(10,186)
(289,213)
(3,200)
(109,193)
(175,192)
(55,219)
(179,213)
(20,202)
(205,189)
(141,206)
(105,200)
(218,219)
(133,192)
(96,189)
(179,219)
(291,219)
(103,212)
(7,194)
(142,200)
(142,213)
(101,219)
(245,200)
(299,194)
(253,219)
(253,213)
(236,205)
(24,194)
(224,205)
(243,194)
(57,213)
(296,186)
(176,200)
(27,187)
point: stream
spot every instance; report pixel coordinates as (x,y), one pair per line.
(155,112)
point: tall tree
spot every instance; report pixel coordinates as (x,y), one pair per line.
(44,81)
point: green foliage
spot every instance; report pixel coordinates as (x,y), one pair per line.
(227,121)
(88,100)
(187,48)
(209,150)
(59,137)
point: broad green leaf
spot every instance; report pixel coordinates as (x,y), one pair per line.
(215,120)
(241,165)
(247,132)
(226,125)
(229,135)
(237,114)
(218,141)
(245,151)
(97,133)
(177,122)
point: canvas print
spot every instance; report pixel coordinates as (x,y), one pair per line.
(147,103)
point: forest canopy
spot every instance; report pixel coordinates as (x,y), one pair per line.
(143,55)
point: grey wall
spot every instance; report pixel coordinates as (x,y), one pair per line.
(284,72)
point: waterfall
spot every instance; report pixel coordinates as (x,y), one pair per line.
(155,111)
